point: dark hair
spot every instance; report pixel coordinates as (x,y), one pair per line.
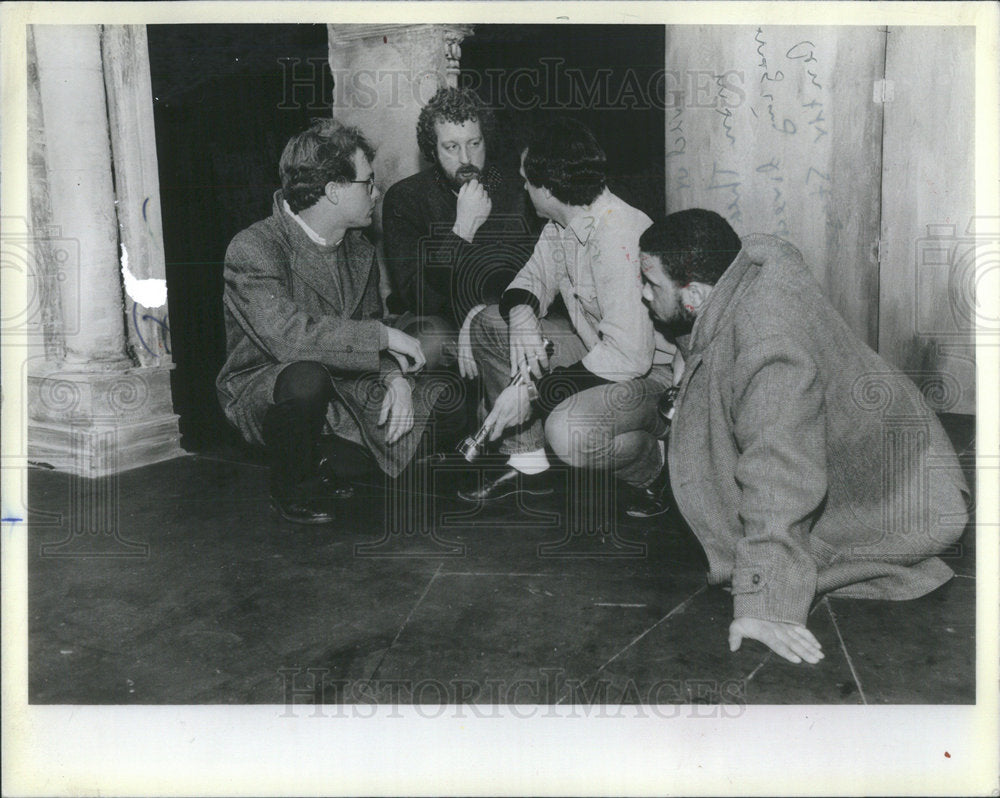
(693,245)
(321,154)
(451,105)
(564,157)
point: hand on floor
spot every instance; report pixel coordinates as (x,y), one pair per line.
(792,641)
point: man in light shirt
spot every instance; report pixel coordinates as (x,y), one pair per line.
(608,366)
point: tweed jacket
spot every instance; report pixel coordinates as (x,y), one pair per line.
(803,462)
(289,299)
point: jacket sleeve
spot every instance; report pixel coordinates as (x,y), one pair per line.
(258,296)
(780,434)
(625,348)
(420,258)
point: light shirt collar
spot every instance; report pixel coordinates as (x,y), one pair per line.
(585,222)
(313,235)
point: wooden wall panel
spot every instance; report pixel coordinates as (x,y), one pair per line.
(925,307)
(776,129)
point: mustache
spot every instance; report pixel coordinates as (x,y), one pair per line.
(468,172)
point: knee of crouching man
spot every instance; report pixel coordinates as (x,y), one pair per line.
(567,446)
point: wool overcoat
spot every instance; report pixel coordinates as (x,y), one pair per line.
(802,460)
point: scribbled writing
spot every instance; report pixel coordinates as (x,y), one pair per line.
(788,126)
(805,55)
(728,179)
(160,322)
(775,180)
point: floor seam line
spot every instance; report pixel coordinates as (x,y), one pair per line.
(847,655)
(406,621)
(770,653)
(763,662)
(666,617)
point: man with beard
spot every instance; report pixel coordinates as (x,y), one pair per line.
(456,233)
(802,461)
(304,333)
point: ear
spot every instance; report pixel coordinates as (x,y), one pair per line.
(331,192)
(695,294)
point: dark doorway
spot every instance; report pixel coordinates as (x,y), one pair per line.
(609,77)
(226,98)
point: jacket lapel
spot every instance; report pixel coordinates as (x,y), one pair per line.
(317,270)
(358,264)
(340,281)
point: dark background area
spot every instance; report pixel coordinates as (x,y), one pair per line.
(226,98)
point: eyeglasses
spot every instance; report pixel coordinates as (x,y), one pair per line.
(370,181)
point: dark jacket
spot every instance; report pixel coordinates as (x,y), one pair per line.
(289,299)
(802,461)
(432,270)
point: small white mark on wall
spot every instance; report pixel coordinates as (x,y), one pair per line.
(150,292)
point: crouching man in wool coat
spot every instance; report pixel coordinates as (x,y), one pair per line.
(802,461)
(307,348)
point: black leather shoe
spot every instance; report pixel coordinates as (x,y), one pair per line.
(301,510)
(653,500)
(510,481)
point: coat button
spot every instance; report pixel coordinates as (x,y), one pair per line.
(756,579)
(348,349)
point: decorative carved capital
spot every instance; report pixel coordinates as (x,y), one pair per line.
(436,46)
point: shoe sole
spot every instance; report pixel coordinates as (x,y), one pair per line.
(531,492)
(300,521)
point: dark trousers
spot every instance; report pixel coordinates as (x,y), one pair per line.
(293,424)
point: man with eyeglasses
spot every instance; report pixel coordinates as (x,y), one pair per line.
(307,346)
(456,233)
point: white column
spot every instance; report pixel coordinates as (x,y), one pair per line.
(78,167)
(137,188)
(96,405)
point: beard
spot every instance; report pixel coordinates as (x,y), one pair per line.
(464,174)
(678,325)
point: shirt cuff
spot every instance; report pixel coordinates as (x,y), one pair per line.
(513,297)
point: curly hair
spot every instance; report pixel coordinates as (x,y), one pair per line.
(321,154)
(564,157)
(695,245)
(451,105)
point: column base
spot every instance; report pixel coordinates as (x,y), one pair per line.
(93,424)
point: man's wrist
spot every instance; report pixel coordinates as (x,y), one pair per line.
(522,313)
(468,236)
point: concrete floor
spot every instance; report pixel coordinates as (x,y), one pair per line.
(205,596)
